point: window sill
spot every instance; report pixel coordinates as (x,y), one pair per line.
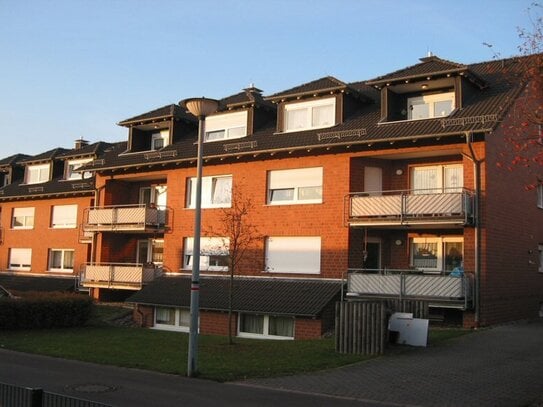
(290,203)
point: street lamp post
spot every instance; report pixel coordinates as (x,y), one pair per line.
(199,107)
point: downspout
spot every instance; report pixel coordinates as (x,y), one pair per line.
(476,213)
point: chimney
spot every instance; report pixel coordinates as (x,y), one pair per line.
(80,143)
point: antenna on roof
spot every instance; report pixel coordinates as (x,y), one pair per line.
(429,53)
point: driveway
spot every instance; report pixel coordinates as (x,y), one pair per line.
(501,366)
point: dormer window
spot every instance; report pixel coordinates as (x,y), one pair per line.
(314,114)
(159,140)
(226,126)
(429,106)
(73,165)
(36,174)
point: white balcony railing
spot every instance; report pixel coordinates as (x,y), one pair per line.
(118,275)
(125,218)
(410,207)
(457,291)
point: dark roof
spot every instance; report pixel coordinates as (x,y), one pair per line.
(249,96)
(13,159)
(327,83)
(15,283)
(164,112)
(360,129)
(90,150)
(431,65)
(47,156)
(253,295)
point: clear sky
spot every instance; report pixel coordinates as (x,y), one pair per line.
(74,68)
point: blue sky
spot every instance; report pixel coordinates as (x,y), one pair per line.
(74,68)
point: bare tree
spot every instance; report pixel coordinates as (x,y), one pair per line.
(239,235)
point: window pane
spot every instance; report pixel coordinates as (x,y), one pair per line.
(281,326)
(307,193)
(282,194)
(323,116)
(56,259)
(68,259)
(251,324)
(425,255)
(296,119)
(184,317)
(443,108)
(425,180)
(420,111)
(221,190)
(453,255)
(214,135)
(165,316)
(237,132)
(453,179)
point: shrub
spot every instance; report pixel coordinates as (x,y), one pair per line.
(45,310)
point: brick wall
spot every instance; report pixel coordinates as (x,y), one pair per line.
(306,328)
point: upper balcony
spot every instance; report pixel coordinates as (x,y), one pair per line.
(126,218)
(411,207)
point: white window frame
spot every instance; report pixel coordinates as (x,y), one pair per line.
(539,192)
(225,126)
(164,136)
(150,249)
(309,108)
(62,268)
(43,173)
(64,216)
(208,192)
(28,217)
(209,247)
(266,328)
(441,185)
(294,181)
(73,165)
(440,241)
(180,315)
(429,100)
(23,265)
(293,254)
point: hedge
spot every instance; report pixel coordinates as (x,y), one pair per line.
(51,310)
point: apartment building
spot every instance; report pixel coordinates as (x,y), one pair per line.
(387,188)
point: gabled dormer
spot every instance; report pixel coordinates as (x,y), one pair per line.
(43,167)
(157,129)
(11,170)
(239,116)
(433,88)
(319,104)
(82,154)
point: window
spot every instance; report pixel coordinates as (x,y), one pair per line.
(216,192)
(428,106)
(61,260)
(36,174)
(437,254)
(64,216)
(310,115)
(175,319)
(437,179)
(20,259)
(155,194)
(293,254)
(73,165)
(539,191)
(23,218)
(225,126)
(160,140)
(213,253)
(298,186)
(150,251)
(272,327)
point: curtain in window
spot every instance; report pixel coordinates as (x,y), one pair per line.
(425,180)
(253,324)
(68,259)
(453,255)
(425,255)
(165,316)
(296,119)
(453,178)
(323,116)
(221,190)
(281,326)
(184,317)
(56,259)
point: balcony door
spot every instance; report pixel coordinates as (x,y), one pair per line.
(373,180)
(155,194)
(372,255)
(150,251)
(437,179)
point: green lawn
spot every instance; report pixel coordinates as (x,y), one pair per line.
(102,342)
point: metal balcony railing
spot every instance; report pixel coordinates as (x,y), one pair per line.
(411,207)
(441,288)
(125,218)
(128,276)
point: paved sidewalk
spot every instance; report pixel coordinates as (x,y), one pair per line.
(502,366)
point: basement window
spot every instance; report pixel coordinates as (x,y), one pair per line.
(265,326)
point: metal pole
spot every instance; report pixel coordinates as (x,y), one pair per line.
(192,366)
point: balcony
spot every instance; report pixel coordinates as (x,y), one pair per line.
(438,289)
(410,207)
(125,218)
(123,276)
